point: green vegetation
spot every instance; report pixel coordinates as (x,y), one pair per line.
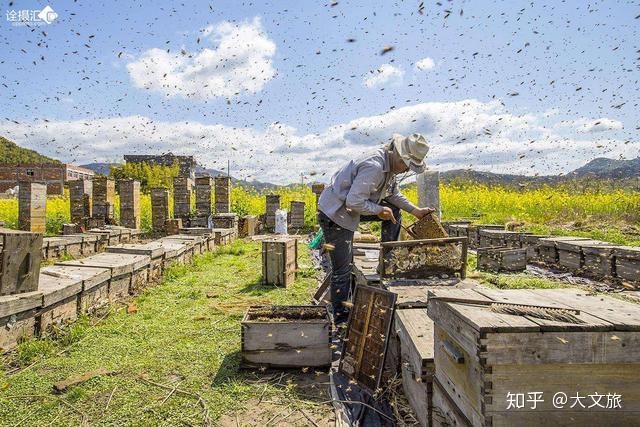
(11,153)
(183,334)
(149,175)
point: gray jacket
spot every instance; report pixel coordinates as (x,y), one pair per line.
(359,187)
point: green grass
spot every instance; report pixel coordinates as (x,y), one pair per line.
(511,280)
(185,333)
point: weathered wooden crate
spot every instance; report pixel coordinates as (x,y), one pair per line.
(548,250)
(174,251)
(599,261)
(223,236)
(130,203)
(317,189)
(159,208)
(95,284)
(104,194)
(20,258)
(279,261)
(32,206)
(447,224)
(18,318)
(222,194)
(423,259)
(485,359)
(627,260)
(531,242)
(60,298)
(502,259)
(427,227)
(197,243)
(80,200)
(570,254)
(247,225)
(72,245)
(286,337)
(154,250)
(458,230)
(414,329)
(71,229)
(273,204)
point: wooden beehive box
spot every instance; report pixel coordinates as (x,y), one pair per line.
(273,204)
(502,259)
(104,194)
(203,196)
(427,227)
(548,249)
(32,206)
(159,208)
(130,203)
(459,230)
(286,337)
(80,200)
(182,197)
(18,318)
(599,261)
(491,237)
(20,258)
(423,259)
(247,225)
(279,261)
(225,220)
(222,194)
(475,229)
(570,254)
(296,215)
(627,259)
(531,243)
(484,359)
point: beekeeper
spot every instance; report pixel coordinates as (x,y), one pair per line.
(366,190)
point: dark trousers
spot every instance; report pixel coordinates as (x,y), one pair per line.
(342,255)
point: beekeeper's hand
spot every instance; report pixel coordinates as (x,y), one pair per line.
(420,212)
(386,214)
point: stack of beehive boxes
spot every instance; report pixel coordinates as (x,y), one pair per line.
(273,204)
(104,194)
(159,208)
(296,220)
(182,198)
(279,261)
(32,203)
(203,196)
(317,189)
(80,194)
(130,203)
(223,194)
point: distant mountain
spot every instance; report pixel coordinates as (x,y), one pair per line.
(609,168)
(11,153)
(100,168)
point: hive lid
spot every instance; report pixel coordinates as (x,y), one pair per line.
(57,288)
(119,264)
(14,304)
(90,276)
(151,249)
(596,313)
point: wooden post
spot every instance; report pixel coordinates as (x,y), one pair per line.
(32,206)
(428,183)
(130,203)
(223,194)
(159,208)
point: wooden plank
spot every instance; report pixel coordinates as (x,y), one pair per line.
(14,304)
(532,297)
(119,264)
(561,347)
(415,332)
(625,316)
(418,393)
(90,276)
(55,289)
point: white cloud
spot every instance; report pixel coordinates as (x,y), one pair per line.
(387,73)
(425,64)
(240,61)
(462,134)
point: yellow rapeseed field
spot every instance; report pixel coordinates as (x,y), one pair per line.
(612,215)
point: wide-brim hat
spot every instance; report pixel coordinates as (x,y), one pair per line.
(412,150)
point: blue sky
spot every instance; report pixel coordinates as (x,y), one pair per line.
(283,88)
